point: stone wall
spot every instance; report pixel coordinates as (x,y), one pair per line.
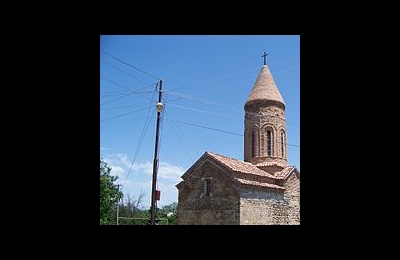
(292,197)
(262,208)
(220,208)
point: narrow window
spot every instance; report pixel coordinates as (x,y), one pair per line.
(269,143)
(207,187)
(282,145)
(253,144)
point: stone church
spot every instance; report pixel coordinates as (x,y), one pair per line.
(261,190)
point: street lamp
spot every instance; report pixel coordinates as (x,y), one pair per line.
(159,107)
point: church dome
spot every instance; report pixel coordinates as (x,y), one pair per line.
(264,89)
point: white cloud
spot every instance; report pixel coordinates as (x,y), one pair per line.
(169,171)
(140,178)
(169,194)
(123,159)
(118,171)
(127,183)
(143,168)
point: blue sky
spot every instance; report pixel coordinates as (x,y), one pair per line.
(206,81)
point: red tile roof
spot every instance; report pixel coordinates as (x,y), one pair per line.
(258,184)
(285,172)
(244,173)
(261,164)
(240,166)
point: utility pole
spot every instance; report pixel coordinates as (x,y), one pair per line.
(118,204)
(159,108)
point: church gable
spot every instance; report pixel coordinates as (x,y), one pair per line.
(207,195)
(208,179)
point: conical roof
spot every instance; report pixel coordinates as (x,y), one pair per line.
(265,88)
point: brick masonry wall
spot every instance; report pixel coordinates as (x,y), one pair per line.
(221,208)
(258,119)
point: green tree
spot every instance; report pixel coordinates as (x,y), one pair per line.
(109,193)
(130,212)
(167,215)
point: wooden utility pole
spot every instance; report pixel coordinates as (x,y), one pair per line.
(154,198)
(118,204)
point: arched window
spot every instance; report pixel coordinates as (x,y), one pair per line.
(207,187)
(282,144)
(269,143)
(253,144)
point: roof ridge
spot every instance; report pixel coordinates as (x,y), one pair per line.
(243,167)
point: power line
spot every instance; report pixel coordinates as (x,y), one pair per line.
(287,70)
(208,81)
(280,61)
(136,91)
(203,100)
(128,113)
(112,100)
(222,115)
(223,86)
(218,88)
(206,101)
(183,95)
(230,84)
(201,111)
(127,94)
(130,65)
(112,94)
(119,107)
(179,139)
(216,79)
(124,72)
(114,117)
(237,72)
(216,129)
(130,90)
(181,143)
(144,131)
(220,104)
(205,127)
